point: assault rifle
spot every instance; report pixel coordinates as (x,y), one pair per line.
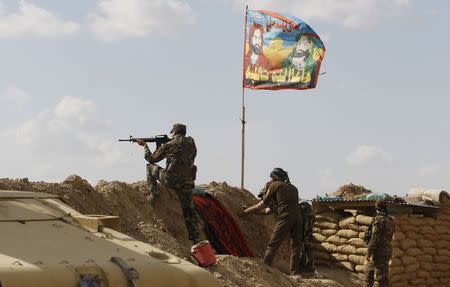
(159,140)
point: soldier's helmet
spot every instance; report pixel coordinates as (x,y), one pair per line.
(179,129)
(279,174)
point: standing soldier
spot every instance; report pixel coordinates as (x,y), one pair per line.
(307,259)
(283,196)
(178,175)
(380,247)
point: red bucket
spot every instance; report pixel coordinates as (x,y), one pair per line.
(203,253)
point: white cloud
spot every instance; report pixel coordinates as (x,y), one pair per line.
(118,19)
(365,154)
(71,130)
(34,21)
(16,96)
(355,14)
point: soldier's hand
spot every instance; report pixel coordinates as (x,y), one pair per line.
(141,142)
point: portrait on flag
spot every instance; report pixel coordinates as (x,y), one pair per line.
(281,52)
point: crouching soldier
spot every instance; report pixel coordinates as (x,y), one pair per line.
(179,174)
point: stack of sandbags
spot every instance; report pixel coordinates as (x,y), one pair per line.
(421,250)
(339,240)
(326,226)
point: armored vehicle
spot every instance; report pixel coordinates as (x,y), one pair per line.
(44,242)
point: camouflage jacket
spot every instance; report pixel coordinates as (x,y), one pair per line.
(308,217)
(180,153)
(382,231)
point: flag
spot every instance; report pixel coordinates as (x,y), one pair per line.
(281,52)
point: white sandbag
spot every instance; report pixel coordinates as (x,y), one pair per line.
(364,219)
(336,240)
(357,242)
(328,232)
(347,249)
(319,237)
(361,251)
(328,216)
(344,223)
(347,233)
(339,257)
(356,259)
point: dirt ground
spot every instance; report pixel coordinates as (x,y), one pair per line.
(163,226)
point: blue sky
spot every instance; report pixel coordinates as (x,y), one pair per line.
(77,75)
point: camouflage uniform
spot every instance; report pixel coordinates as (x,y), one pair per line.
(380,247)
(309,217)
(285,197)
(178,175)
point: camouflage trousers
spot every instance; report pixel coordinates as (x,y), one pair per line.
(291,226)
(183,189)
(378,271)
(307,259)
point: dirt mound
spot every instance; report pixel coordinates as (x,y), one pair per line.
(351,191)
(234,272)
(163,224)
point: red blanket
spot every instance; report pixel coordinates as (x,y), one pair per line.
(223,232)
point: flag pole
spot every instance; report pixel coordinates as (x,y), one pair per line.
(243,105)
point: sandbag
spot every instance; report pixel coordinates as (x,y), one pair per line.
(408,260)
(430,251)
(364,219)
(330,248)
(426,266)
(441,259)
(347,233)
(407,227)
(319,237)
(395,262)
(411,268)
(337,240)
(431,237)
(345,265)
(339,257)
(407,243)
(357,242)
(361,251)
(441,267)
(423,243)
(441,229)
(396,270)
(398,235)
(413,251)
(328,216)
(423,274)
(356,259)
(360,268)
(362,235)
(361,228)
(328,232)
(413,235)
(347,249)
(425,258)
(438,244)
(327,225)
(443,252)
(417,282)
(344,223)
(424,229)
(432,281)
(398,278)
(397,252)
